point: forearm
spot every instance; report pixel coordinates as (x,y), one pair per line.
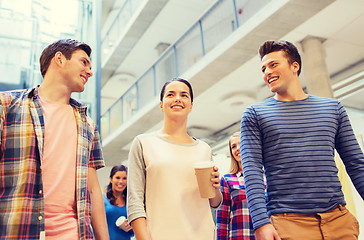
(140,229)
(252,164)
(215,202)
(136,183)
(98,217)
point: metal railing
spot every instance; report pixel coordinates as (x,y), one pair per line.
(120,22)
(220,21)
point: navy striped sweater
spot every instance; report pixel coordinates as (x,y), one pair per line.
(295,143)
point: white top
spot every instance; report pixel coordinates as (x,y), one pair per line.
(162,187)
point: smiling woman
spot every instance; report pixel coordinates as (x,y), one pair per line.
(115,204)
(164,198)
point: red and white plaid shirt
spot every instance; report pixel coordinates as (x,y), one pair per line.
(232,217)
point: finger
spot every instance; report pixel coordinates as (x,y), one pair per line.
(216,174)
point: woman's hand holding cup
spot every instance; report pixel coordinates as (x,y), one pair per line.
(123,224)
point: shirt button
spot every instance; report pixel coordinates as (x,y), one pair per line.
(40,218)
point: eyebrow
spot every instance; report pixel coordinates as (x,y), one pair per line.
(171,91)
(270,62)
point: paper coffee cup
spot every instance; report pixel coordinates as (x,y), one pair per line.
(203,172)
(120,221)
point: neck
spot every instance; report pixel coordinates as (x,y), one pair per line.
(176,131)
(294,92)
(290,97)
(54,92)
(118,195)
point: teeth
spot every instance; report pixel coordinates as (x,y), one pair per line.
(84,80)
(272,79)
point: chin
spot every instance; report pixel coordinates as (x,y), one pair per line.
(79,90)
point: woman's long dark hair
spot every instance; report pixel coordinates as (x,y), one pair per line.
(109,193)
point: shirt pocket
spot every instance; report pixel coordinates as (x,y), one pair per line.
(238,193)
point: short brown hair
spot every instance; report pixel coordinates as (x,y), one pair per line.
(66,47)
(288,48)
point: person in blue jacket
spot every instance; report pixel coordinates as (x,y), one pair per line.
(115,204)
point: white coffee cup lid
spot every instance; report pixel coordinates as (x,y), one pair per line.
(204,164)
(120,221)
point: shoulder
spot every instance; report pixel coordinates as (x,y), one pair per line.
(202,143)
(16,98)
(267,103)
(318,99)
(151,135)
(11,96)
(229,176)
(324,103)
(145,137)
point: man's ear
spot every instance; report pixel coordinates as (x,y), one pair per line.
(295,67)
(58,58)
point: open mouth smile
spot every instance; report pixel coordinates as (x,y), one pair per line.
(84,79)
(177,107)
(272,79)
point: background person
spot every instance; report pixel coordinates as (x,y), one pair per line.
(50,150)
(163,196)
(294,135)
(115,204)
(232,217)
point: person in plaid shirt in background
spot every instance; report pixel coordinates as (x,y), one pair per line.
(232,217)
(49,153)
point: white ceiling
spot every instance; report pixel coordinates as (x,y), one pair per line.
(222,105)
(171,23)
(339,23)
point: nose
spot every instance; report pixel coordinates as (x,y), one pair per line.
(178,97)
(89,73)
(267,71)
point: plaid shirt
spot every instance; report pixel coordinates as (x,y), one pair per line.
(232,217)
(21,152)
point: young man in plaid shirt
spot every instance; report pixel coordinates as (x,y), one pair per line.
(49,153)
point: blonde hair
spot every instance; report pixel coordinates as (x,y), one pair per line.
(234,165)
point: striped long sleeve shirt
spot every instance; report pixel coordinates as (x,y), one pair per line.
(295,143)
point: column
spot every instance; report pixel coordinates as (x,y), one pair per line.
(315,69)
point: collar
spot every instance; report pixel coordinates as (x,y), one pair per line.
(33,92)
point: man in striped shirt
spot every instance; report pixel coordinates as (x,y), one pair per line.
(49,152)
(293,136)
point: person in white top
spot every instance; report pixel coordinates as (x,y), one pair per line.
(163,196)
